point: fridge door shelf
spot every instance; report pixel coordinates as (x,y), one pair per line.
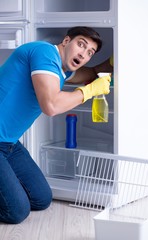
(7,44)
(13,10)
(12,36)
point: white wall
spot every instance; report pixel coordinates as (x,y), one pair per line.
(133,78)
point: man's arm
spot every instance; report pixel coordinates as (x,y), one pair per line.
(86,75)
(51,99)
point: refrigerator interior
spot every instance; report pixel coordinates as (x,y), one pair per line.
(58,163)
(91,136)
(52,19)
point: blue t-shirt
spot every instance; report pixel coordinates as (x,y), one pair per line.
(18,103)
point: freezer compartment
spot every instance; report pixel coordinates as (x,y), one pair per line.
(79,10)
(13,10)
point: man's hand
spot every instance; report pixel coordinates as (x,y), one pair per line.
(97,87)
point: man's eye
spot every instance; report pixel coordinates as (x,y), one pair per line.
(90,53)
(81,44)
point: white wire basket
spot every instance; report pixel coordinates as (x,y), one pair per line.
(117,187)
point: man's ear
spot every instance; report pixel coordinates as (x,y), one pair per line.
(65,41)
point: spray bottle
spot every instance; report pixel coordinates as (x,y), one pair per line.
(100,106)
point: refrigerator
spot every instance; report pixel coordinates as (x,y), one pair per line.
(122,26)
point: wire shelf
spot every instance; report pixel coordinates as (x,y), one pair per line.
(111,181)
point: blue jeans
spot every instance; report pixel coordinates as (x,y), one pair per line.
(23,187)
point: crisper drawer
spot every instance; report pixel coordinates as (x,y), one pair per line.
(13,10)
(58,163)
(68,173)
(11,36)
(62,163)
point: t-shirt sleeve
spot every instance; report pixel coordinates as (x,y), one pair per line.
(45,59)
(69,75)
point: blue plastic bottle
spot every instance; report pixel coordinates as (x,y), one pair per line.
(71,120)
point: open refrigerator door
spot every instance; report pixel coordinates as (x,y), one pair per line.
(14,29)
(14,26)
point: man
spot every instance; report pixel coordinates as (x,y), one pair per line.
(31,82)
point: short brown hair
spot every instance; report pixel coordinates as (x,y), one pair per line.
(86,32)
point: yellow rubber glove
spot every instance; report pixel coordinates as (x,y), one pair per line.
(95,88)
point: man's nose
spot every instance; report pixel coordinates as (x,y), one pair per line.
(82,55)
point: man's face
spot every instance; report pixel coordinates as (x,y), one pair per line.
(77,52)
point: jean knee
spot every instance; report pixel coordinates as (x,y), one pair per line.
(47,199)
(19,212)
(43,200)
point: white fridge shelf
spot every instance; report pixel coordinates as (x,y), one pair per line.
(83,144)
(7,44)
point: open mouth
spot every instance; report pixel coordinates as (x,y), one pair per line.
(76,61)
